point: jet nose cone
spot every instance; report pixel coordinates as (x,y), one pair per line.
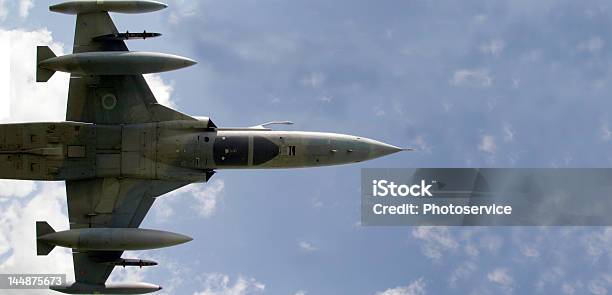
(379,149)
(183,239)
(189,62)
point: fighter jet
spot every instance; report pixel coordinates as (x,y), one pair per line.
(119,149)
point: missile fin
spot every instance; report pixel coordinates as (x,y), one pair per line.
(43,53)
(43,228)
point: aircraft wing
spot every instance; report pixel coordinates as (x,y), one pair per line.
(110,99)
(108,202)
(104,99)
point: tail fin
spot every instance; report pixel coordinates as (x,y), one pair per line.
(43,228)
(43,53)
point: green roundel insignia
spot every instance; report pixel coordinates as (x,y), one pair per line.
(109,101)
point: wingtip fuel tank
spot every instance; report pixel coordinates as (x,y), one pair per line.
(120,6)
(104,239)
(107,63)
(118,288)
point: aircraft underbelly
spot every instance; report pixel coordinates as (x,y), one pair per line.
(139,151)
(46,151)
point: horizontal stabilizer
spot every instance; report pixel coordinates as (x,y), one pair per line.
(43,53)
(121,6)
(43,228)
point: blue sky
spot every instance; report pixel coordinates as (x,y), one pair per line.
(467,83)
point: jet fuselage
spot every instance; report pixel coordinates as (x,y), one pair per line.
(174,150)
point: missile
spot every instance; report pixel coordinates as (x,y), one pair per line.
(133,262)
(104,239)
(121,6)
(107,63)
(123,261)
(117,288)
(126,36)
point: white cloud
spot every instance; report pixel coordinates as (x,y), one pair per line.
(24,7)
(472,78)
(16,188)
(421,144)
(597,287)
(275,100)
(480,18)
(379,112)
(207,197)
(178,273)
(300,292)
(325,98)
(415,288)
(491,243)
(471,250)
(462,272)
(487,144)
(493,47)
(501,276)
(398,107)
(306,246)
(509,133)
(182,9)
(530,251)
(48,98)
(161,89)
(549,277)
(18,232)
(437,240)
(314,80)
(220,284)
(593,45)
(598,243)
(568,289)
